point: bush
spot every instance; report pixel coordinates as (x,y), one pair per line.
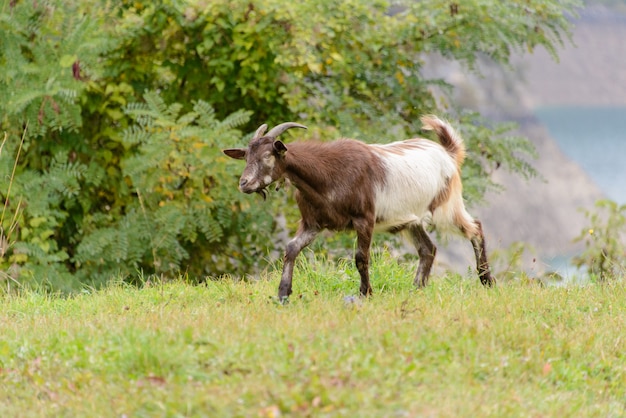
(123,110)
(604,256)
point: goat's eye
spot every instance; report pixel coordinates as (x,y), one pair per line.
(267,157)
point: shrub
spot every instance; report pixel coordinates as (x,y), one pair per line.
(604,256)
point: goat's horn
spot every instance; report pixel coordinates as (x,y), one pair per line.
(279,129)
(259,132)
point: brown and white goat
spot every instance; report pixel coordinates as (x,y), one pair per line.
(347,184)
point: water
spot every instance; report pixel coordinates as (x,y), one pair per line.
(594,137)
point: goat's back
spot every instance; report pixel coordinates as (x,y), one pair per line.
(407,182)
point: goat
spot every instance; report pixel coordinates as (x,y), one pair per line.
(349,185)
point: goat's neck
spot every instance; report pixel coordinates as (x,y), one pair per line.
(304,172)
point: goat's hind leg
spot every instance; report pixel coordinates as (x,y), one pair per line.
(426,251)
(480,251)
(473,230)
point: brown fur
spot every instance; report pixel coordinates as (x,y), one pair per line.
(333,190)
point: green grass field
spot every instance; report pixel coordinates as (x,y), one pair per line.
(227,349)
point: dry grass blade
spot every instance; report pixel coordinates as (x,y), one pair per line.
(5,239)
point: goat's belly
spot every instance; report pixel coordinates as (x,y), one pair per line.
(388,219)
(405,199)
(398,210)
(396,226)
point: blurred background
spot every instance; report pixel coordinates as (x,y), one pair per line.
(574,112)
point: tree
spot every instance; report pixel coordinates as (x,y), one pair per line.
(116,173)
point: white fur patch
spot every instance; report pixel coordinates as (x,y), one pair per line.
(417,171)
(252,172)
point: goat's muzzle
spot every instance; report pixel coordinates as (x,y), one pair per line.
(244,187)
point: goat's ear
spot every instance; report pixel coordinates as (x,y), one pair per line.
(236,153)
(279,147)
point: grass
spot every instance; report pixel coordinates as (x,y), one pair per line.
(225,348)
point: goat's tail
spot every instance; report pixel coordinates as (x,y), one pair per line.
(448,137)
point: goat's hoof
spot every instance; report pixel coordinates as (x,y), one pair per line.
(419,285)
(367,292)
(280,300)
(488,281)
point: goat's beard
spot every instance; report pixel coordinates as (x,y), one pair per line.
(262,192)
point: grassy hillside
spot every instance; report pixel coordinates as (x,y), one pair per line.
(454,349)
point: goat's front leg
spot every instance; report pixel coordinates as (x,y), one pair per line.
(303,237)
(364,230)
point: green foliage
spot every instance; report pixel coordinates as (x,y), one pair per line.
(184,214)
(112,181)
(46,55)
(353,65)
(604,257)
(47,52)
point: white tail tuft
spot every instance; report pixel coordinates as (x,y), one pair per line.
(448,137)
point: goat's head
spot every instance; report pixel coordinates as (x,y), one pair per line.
(263,157)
